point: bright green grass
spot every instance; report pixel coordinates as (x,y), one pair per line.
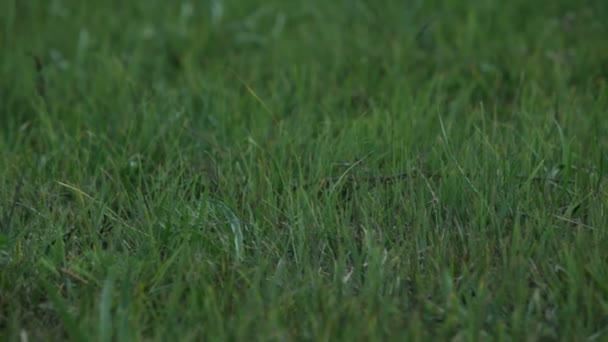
(304,170)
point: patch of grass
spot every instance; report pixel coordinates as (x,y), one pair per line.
(352,170)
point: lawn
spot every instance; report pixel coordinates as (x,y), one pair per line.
(304,170)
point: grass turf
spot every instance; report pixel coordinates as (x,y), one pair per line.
(303,170)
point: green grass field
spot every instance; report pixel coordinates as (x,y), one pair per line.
(304,170)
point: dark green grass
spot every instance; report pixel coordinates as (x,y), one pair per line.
(304,170)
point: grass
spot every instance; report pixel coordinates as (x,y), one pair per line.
(303,170)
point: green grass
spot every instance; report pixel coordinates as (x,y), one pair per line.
(304,170)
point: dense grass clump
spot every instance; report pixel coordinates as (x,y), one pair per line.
(303,170)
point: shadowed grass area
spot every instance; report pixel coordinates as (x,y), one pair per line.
(303,170)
